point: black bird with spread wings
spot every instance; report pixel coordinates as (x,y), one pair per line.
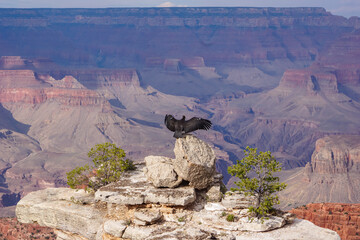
(180,126)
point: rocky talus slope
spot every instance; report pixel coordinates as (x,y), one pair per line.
(143,206)
(340,217)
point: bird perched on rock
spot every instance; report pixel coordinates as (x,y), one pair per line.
(181,127)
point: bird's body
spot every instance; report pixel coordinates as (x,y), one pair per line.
(181,127)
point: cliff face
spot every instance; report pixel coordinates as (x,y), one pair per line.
(331,176)
(217,34)
(340,217)
(18,78)
(312,81)
(24,86)
(336,155)
(8,62)
(240,17)
(74,97)
(97,78)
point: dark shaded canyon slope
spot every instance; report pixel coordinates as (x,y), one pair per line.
(273,78)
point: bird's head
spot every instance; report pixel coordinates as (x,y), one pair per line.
(183,118)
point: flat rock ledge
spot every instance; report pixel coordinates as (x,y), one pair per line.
(134,209)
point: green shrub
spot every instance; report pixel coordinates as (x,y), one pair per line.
(230,218)
(78,176)
(255,173)
(109,163)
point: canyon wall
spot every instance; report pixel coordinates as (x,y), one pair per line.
(235,35)
(340,217)
(331,176)
(273,78)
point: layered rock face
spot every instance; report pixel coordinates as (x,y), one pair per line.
(22,86)
(192,17)
(312,81)
(18,78)
(331,176)
(133,208)
(9,62)
(206,31)
(340,217)
(74,97)
(97,78)
(307,104)
(336,155)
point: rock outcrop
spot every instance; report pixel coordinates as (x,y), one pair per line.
(69,97)
(11,62)
(98,78)
(58,208)
(26,86)
(331,176)
(336,155)
(18,78)
(340,217)
(310,80)
(194,162)
(134,189)
(133,208)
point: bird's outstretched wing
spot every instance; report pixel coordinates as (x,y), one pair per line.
(196,123)
(170,122)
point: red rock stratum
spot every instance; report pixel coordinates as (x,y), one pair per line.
(340,217)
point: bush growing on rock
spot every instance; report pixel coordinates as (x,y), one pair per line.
(255,173)
(109,162)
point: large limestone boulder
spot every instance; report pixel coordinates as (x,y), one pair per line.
(160,171)
(194,161)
